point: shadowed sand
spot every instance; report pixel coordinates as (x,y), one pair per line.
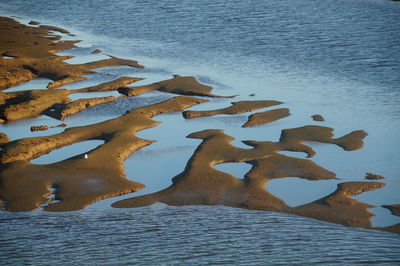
(236,108)
(78,181)
(61,111)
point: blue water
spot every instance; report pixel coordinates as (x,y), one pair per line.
(335,58)
(161,235)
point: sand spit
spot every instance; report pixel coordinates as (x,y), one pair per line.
(176,85)
(236,108)
(201,184)
(266,117)
(78,181)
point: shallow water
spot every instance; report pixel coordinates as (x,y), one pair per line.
(334,58)
(188,235)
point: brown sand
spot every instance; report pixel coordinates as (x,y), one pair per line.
(236,108)
(28,104)
(266,117)
(201,184)
(78,181)
(34,56)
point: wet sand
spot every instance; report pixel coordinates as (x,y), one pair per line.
(28,52)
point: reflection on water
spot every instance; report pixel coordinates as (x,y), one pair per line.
(197,235)
(68,152)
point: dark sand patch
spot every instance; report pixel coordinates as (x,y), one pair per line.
(266,117)
(371,176)
(318,118)
(236,108)
(394,209)
(79,181)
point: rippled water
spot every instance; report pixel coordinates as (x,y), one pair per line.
(188,235)
(336,58)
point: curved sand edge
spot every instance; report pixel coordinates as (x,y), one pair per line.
(78,181)
(201,184)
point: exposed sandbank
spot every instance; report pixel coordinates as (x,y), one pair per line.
(80,181)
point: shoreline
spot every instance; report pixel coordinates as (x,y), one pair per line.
(41,62)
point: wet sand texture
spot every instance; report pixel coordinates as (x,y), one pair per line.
(266,117)
(34,56)
(78,181)
(236,108)
(176,85)
(201,184)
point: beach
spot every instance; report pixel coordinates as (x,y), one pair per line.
(99,173)
(230,157)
